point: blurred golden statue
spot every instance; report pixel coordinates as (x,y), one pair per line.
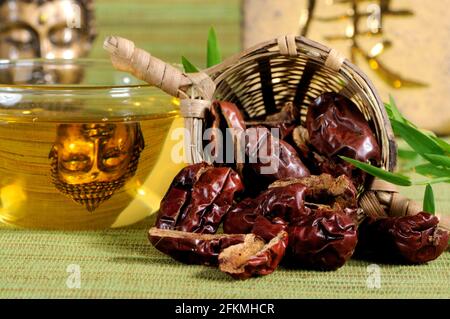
(90,162)
(51,29)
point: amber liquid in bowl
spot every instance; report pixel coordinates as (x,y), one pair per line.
(83,157)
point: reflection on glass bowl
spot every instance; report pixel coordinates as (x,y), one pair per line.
(82,155)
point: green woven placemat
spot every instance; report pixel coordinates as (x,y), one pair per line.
(120,263)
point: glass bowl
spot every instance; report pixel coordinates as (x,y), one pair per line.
(81,145)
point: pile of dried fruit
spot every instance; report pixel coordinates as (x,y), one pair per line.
(305,213)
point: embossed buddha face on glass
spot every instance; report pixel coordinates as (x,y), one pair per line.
(89,162)
(52,29)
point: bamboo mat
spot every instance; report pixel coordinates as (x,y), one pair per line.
(170,28)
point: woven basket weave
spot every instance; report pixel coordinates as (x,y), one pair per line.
(260,80)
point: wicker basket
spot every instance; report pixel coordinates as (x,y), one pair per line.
(260,80)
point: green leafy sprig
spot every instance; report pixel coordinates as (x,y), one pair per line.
(213,55)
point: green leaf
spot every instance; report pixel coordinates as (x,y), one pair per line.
(188,66)
(396,115)
(388,108)
(393,178)
(427,132)
(213,55)
(418,141)
(428,200)
(443,144)
(432,171)
(439,160)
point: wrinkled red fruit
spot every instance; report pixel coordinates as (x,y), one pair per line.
(268,229)
(192,248)
(286,199)
(253,257)
(324,240)
(415,239)
(337,127)
(225,121)
(232,115)
(239,255)
(285,203)
(198,198)
(325,189)
(269,151)
(285,121)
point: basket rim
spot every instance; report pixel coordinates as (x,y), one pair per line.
(125,56)
(310,47)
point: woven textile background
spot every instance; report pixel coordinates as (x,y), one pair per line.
(121,263)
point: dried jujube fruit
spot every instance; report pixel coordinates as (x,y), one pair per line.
(240,255)
(253,257)
(198,198)
(267,159)
(268,149)
(324,189)
(323,240)
(285,120)
(268,229)
(176,197)
(309,220)
(412,239)
(192,248)
(286,203)
(225,121)
(337,127)
(324,235)
(300,138)
(232,115)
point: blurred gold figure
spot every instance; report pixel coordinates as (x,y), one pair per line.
(89,162)
(50,29)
